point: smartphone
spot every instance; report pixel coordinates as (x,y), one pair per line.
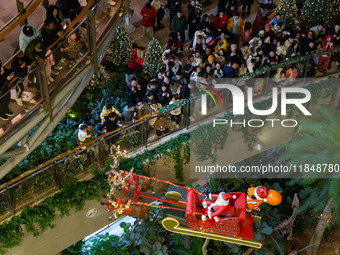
(12,74)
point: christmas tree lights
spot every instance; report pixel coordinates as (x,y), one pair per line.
(289,12)
(119,52)
(153,63)
(316,11)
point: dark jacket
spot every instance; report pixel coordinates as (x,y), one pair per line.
(237,58)
(185,92)
(164,100)
(49,36)
(31,52)
(173,7)
(178,25)
(69,8)
(229,72)
(191,14)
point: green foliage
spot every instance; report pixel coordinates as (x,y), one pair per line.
(153,63)
(315,12)
(289,11)
(318,144)
(147,238)
(119,52)
(40,217)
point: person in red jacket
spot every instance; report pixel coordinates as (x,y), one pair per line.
(148,14)
(220,22)
(327,44)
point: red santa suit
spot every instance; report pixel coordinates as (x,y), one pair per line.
(219,206)
(327,44)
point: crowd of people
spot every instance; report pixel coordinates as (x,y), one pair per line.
(221,47)
(34,43)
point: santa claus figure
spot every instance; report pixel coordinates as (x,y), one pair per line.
(218,207)
(255,197)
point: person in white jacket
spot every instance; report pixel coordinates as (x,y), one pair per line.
(28,34)
(175,114)
(82,133)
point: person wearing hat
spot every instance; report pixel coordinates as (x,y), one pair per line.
(268,31)
(327,44)
(219,208)
(255,197)
(153,87)
(28,34)
(210,62)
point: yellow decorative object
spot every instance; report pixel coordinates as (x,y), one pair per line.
(172,225)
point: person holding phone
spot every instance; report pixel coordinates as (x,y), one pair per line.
(148,18)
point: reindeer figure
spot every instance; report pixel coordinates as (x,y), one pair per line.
(123,206)
(143,184)
(118,180)
(116,153)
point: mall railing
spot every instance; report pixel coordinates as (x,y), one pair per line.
(47,178)
(93,46)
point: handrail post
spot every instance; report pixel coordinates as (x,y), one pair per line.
(267,82)
(306,69)
(187,115)
(56,175)
(144,125)
(43,82)
(10,201)
(21,10)
(91,36)
(101,153)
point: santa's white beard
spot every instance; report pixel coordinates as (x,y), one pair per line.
(221,202)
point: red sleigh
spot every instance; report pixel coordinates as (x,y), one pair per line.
(235,229)
(240,225)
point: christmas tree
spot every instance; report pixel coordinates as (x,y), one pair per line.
(153,63)
(314,12)
(119,52)
(289,12)
(99,79)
